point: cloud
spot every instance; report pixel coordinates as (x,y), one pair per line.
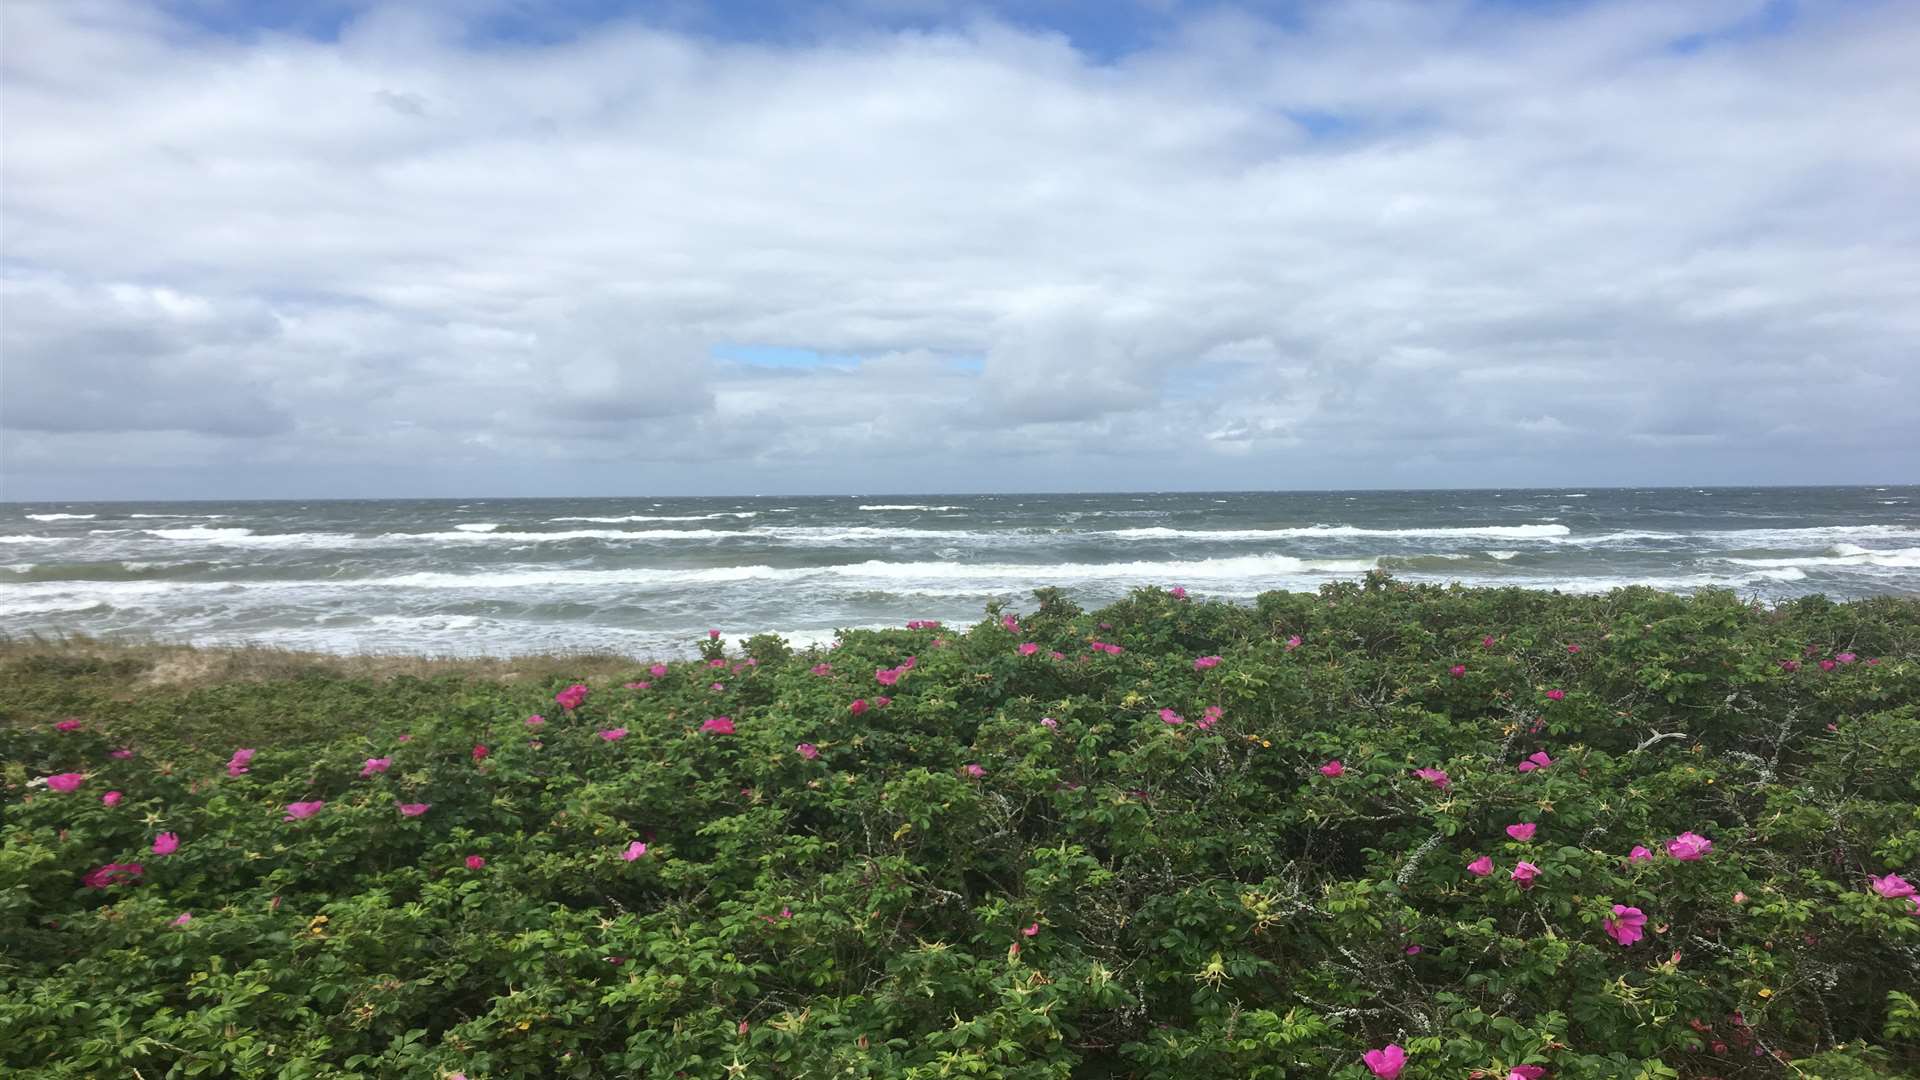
(1374,244)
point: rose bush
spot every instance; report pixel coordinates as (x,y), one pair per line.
(1379,829)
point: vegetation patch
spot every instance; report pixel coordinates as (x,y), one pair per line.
(1378,831)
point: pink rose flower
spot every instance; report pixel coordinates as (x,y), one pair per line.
(1626,925)
(1386,1062)
(237,764)
(634,851)
(807,750)
(66,782)
(719,725)
(1524,873)
(1522,832)
(1333,768)
(413,809)
(375,766)
(166,843)
(1481,867)
(301,811)
(1689,846)
(1893,886)
(475,862)
(111,798)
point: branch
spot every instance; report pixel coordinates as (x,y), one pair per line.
(1659,736)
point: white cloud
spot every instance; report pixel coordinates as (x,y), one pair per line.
(434,263)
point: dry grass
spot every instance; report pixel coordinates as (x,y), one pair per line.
(187,667)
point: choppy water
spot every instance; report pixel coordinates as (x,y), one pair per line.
(647,575)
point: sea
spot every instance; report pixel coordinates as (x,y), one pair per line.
(649,576)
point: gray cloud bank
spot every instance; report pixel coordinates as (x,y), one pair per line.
(1386,245)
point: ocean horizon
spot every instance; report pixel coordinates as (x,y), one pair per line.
(649,575)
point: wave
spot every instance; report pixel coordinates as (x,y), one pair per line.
(61,517)
(907,506)
(1485,532)
(30,539)
(1503,556)
(205,517)
(1248,566)
(1843,555)
(627,518)
(477,527)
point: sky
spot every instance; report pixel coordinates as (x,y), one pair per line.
(331,248)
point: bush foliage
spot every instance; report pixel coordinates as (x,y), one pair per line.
(936,852)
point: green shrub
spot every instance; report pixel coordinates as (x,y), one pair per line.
(1088,858)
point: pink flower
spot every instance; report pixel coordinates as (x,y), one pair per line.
(1639,854)
(886,676)
(1487,642)
(641,685)
(634,851)
(1437,777)
(1177,592)
(413,809)
(1058,655)
(807,750)
(1556,695)
(713,635)
(1481,867)
(1537,760)
(1168,716)
(613,734)
(1846,658)
(113,874)
(1012,624)
(1386,1062)
(1332,768)
(166,843)
(1205,662)
(1411,950)
(301,811)
(1049,723)
(821,669)
(111,798)
(716,662)
(1827,665)
(1573,650)
(475,862)
(536,720)
(67,725)
(1626,925)
(1789,666)
(183,918)
(1458,671)
(657,670)
(719,725)
(1893,886)
(1028,648)
(974,771)
(120,753)
(404,738)
(859,706)
(1032,930)
(1689,846)
(238,763)
(1210,716)
(1522,832)
(1293,642)
(65,782)
(1526,1072)
(1739,897)
(882,701)
(1524,873)
(572,697)
(718,687)
(480,753)
(376,765)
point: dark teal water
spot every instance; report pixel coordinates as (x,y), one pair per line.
(648,575)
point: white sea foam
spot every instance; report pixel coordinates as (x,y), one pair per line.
(478,527)
(625,519)
(907,506)
(1489,532)
(204,517)
(1503,556)
(61,517)
(1843,555)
